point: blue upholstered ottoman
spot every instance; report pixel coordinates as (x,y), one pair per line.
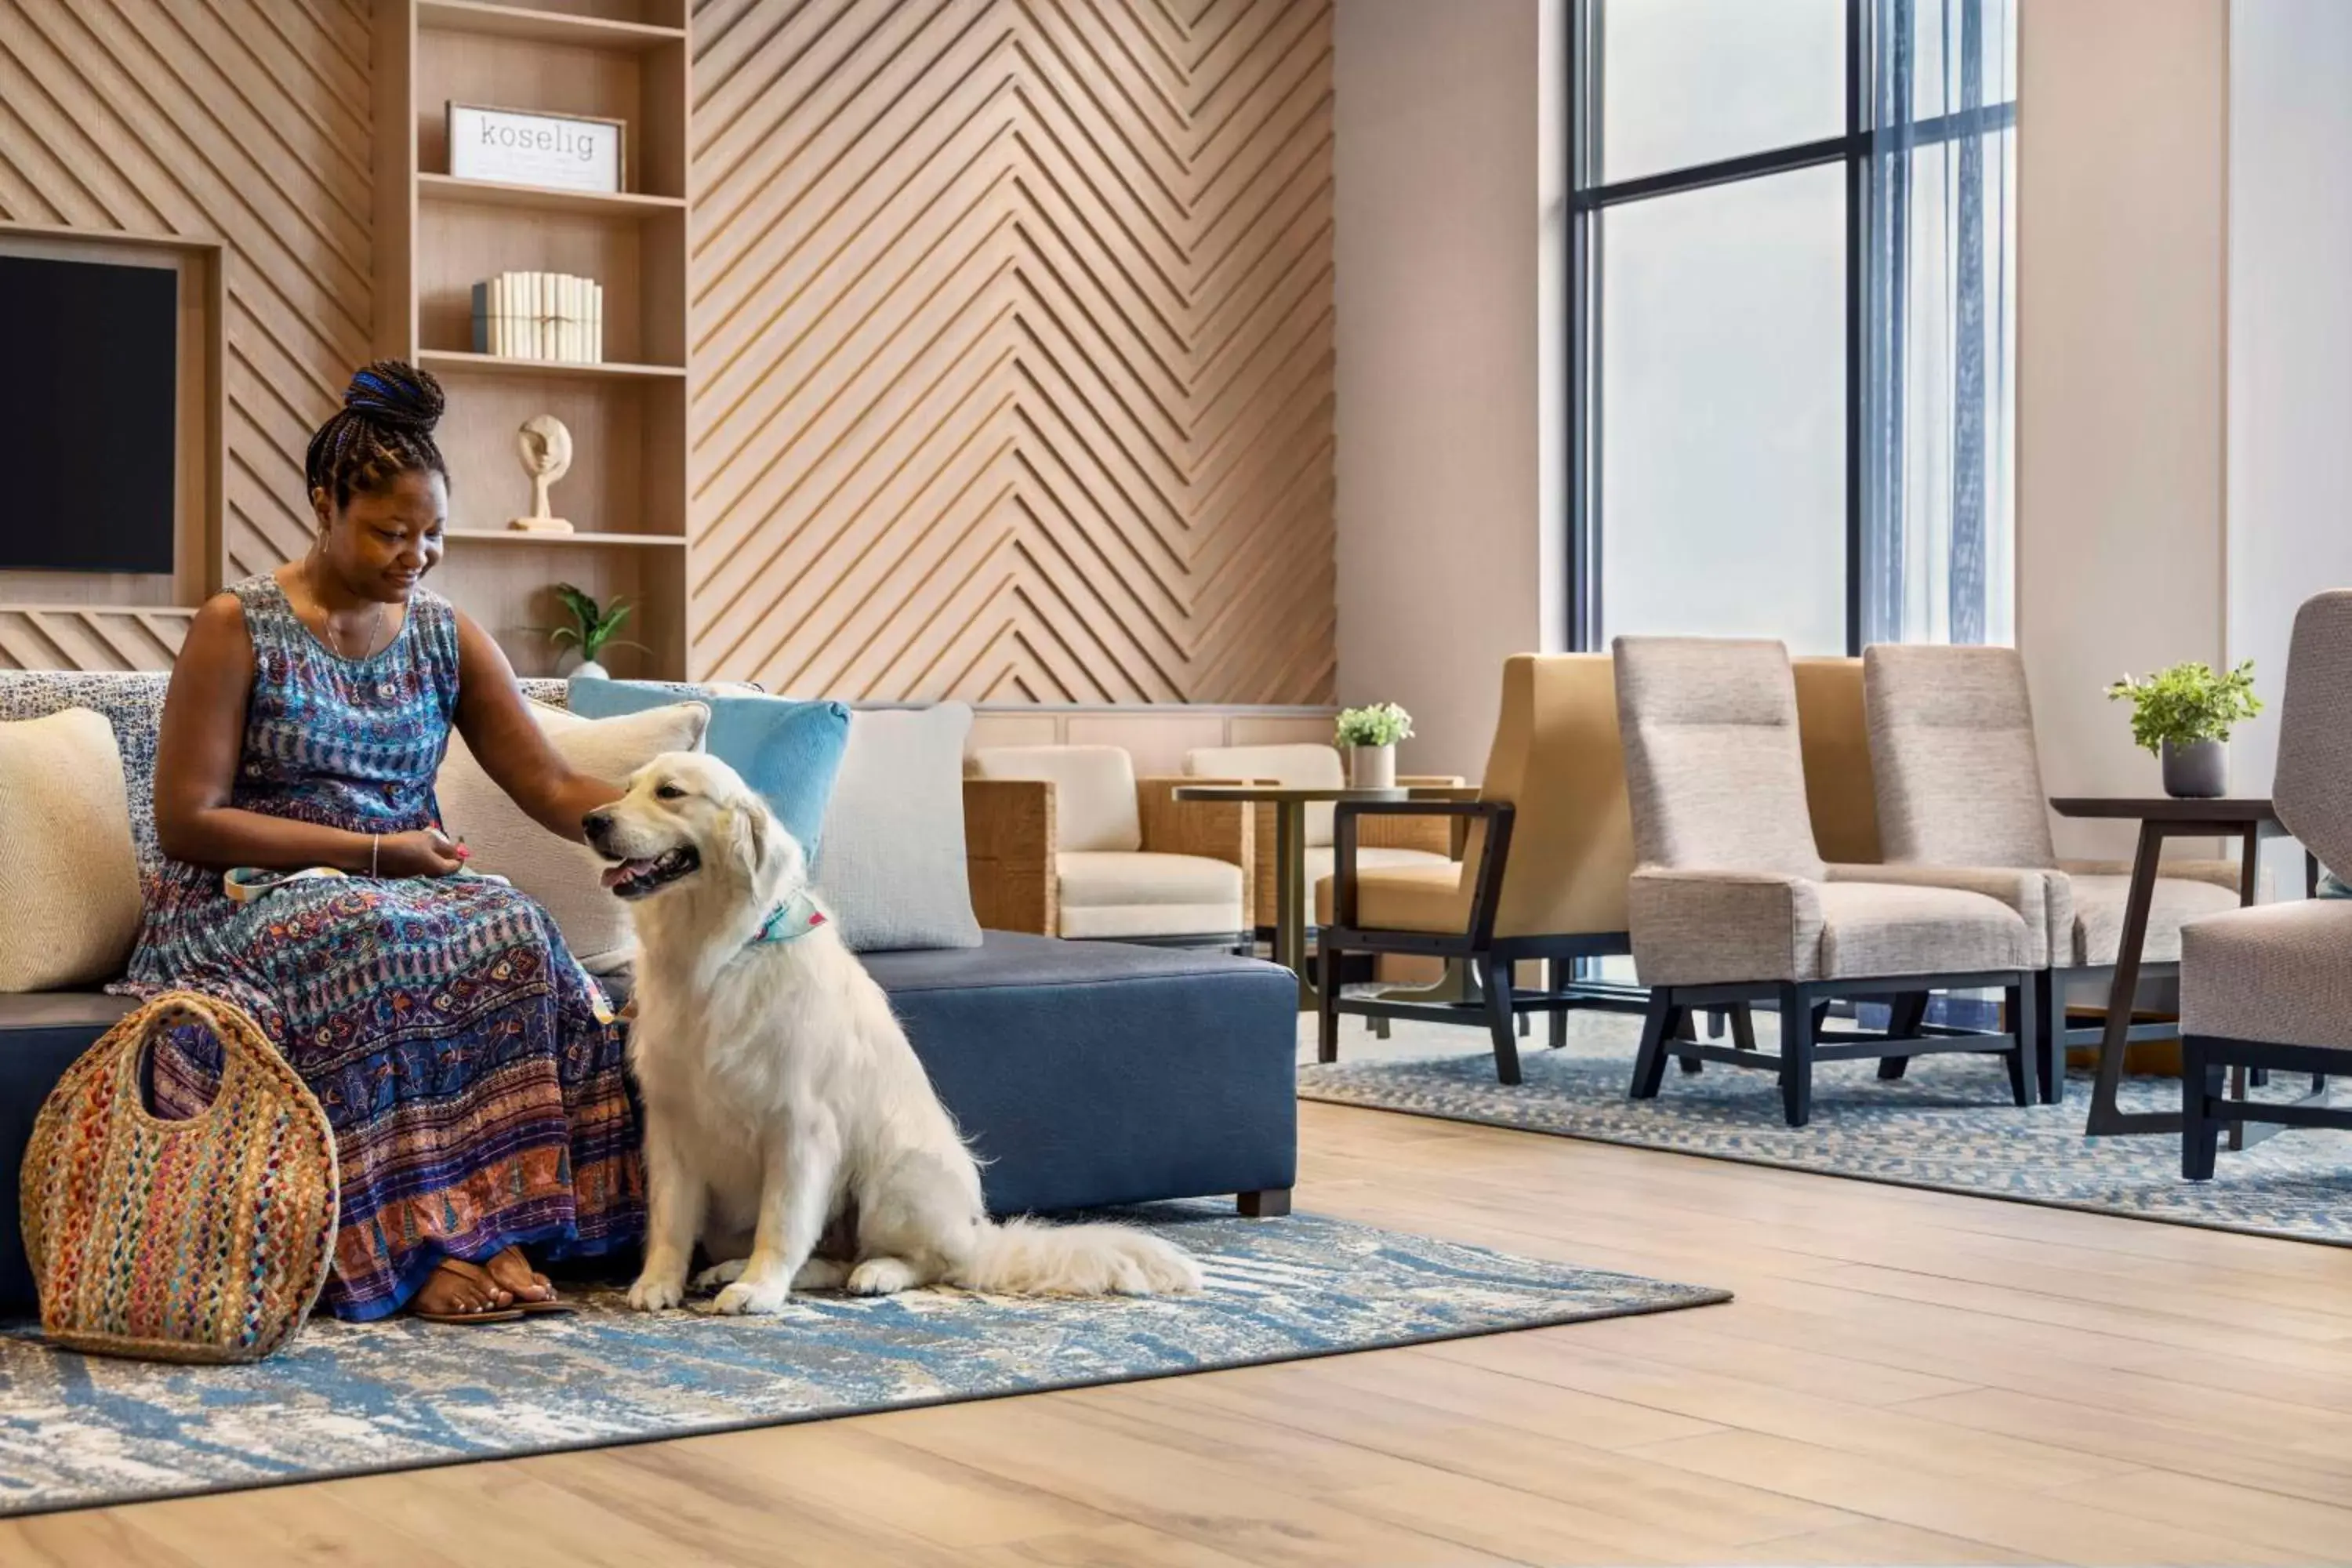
(1084,1073)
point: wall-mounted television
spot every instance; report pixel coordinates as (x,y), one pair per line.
(90,380)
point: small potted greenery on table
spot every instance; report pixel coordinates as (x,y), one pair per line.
(2184,714)
(594,630)
(1370,734)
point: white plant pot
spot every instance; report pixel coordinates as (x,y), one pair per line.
(589,670)
(1371,767)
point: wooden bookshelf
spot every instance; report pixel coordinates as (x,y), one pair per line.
(437,235)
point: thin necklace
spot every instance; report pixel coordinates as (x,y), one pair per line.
(327,619)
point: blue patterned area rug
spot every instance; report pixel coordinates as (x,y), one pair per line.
(1948,1125)
(348,1399)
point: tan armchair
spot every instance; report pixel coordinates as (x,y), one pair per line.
(1066,841)
(1386,842)
(1547,849)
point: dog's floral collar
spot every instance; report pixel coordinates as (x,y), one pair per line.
(794,918)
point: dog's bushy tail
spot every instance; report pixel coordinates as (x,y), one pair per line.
(1024,1258)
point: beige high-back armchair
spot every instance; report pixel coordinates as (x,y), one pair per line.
(1542,875)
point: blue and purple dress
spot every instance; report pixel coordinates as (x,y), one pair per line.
(468,1063)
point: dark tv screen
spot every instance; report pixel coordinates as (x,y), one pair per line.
(89,383)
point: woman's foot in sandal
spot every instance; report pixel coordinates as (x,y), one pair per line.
(528,1288)
(459,1292)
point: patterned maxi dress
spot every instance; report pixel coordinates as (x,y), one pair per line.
(468,1065)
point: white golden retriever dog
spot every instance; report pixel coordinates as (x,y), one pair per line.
(784,1108)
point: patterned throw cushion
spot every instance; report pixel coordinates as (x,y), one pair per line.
(565,878)
(70,879)
(132,704)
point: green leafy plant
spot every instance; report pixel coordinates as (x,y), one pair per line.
(1381,724)
(2188,702)
(593,626)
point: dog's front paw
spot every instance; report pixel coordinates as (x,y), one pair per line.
(881,1276)
(752,1296)
(719,1274)
(652,1293)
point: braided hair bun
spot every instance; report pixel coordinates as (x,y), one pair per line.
(384,429)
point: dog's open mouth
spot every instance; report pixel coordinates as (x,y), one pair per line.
(635,878)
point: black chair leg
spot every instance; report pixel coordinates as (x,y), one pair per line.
(2017,1003)
(2200,1132)
(1743,1028)
(1327,1017)
(2050,1001)
(1650,1061)
(1798,1022)
(1495,981)
(1687,1029)
(1904,1015)
(1561,976)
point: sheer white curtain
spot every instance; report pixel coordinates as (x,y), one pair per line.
(1939,323)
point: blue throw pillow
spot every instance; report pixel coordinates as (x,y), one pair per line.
(789,752)
(2332,886)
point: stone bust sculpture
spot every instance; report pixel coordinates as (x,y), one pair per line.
(545,445)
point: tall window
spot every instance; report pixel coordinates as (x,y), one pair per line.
(1792,284)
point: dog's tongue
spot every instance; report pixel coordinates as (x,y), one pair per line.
(615,874)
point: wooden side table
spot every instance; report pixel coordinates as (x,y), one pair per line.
(2250,820)
(1290,903)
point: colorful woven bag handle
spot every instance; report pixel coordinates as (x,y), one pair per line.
(205,1239)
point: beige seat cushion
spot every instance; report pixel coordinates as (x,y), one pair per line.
(1702,928)
(1095,807)
(2274,972)
(2099,915)
(565,878)
(1397,889)
(1876,929)
(69,875)
(1112,893)
(1303,766)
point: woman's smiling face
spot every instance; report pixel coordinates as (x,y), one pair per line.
(381,543)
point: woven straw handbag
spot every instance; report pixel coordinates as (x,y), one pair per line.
(202,1241)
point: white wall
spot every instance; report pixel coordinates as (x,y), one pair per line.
(2289,312)
(2122,174)
(1444,566)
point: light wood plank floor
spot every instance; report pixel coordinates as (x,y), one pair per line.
(1904,1377)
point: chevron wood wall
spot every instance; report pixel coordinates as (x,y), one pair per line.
(1014,348)
(243,121)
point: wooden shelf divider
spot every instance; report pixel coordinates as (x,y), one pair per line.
(536,26)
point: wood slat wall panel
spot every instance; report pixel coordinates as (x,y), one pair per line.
(1012,345)
(243,121)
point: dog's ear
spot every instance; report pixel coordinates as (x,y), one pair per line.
(750,832)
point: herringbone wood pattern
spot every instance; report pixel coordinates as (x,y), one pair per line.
(1012,341)
(246,121)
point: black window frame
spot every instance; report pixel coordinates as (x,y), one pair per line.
(1856,148)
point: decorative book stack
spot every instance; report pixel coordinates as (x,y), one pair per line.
(549,316)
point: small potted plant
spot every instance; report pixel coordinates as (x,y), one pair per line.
(594,630)
(1370,735)
(2183,714)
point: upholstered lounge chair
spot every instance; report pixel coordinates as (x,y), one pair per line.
(1542,875)
(1732,903)
(2270,987)
(1958,782)
(1066,841)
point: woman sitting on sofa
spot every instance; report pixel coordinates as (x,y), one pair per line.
(467,1064)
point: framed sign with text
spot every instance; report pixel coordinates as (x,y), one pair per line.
(519,147)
